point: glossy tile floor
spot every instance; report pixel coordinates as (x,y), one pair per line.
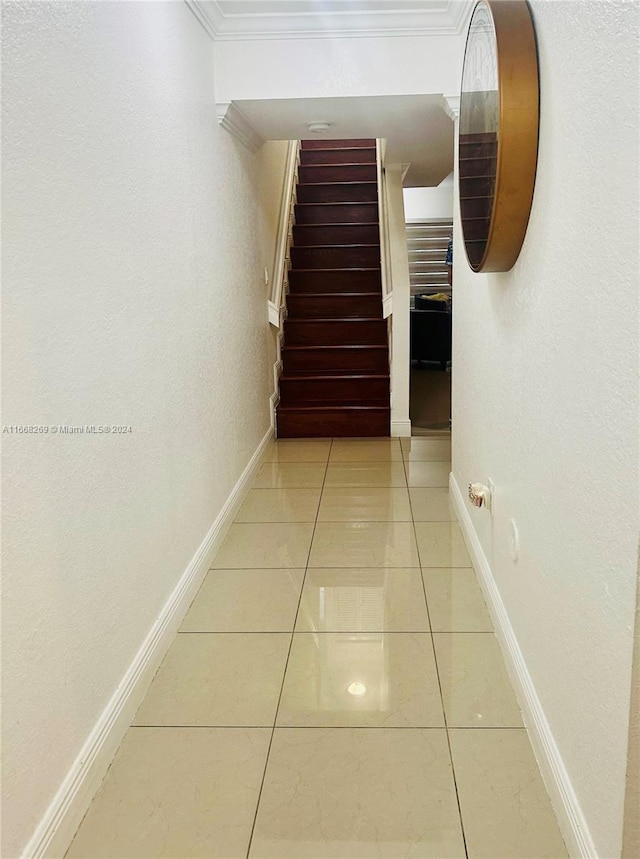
(336,689)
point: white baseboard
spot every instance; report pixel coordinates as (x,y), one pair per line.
(401,429)
(565,803)
(274,399)
(58,825)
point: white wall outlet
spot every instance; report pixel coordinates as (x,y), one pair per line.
(480,495)
(266,276)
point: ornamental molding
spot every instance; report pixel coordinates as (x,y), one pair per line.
(448,18)
(207,18)
(236,123)
(451,106)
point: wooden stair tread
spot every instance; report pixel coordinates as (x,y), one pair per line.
(339,223)
(338,182)
(345,346)
(336,375)
(340,143)
(343,163)
(349,245)
(334,319)
(331,375)
(339,148)
(334,295)
(341,407)
(340,202)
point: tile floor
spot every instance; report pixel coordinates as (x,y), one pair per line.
(335,690)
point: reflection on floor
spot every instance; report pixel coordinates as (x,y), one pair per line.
(336,689)
(430,397)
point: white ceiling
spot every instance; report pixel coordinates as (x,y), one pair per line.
(418,131)
(311,7)
(237,19)
(242,7)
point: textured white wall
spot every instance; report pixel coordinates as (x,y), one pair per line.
(272,161)
(545,399)
(321,68)
(133,294)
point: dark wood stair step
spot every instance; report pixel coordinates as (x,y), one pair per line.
(335,390)
(474,145)
(327,421)
(474,167)
(306,235)
(336,213)
(344,155)
(325,280)
(338,192)
(335,332)
(325,143)
(476,228)
(336,256)
(338,305)
(477,186)
(314,173)
(477,207)
(333,359)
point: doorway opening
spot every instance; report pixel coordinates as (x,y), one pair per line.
(429,245)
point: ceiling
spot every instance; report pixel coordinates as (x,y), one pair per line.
(237,19)
(418,131)
(244,7)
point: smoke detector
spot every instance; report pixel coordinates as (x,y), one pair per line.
(318,126)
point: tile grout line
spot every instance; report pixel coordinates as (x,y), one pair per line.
(340,631)
(435,660)
(346,521)
(286,665)
(482,728)
(325,567)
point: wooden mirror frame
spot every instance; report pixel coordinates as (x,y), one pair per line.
(505,212)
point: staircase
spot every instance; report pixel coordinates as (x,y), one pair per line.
(335,357)
(427,247)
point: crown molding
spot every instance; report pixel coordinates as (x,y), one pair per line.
(451,106)
(236,123)
(204,18)
(464,16)
(448,20)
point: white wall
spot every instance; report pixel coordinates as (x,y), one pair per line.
(272,162)
(320,68)
(545,400)
(401,286)
(430,204)
(133,293)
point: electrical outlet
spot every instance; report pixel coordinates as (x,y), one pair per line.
(266,276)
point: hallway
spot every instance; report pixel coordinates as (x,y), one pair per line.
(335,689)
